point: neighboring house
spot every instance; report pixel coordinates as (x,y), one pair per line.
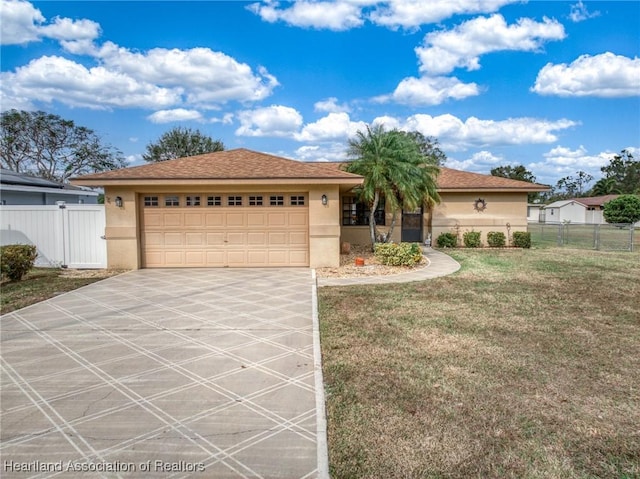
(21,189)
(576,210)
(245,208)
(533,212)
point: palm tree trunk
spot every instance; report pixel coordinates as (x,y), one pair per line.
(372,219)
(394,217)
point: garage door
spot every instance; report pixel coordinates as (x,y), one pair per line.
(228,230)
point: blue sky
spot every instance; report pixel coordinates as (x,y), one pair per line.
(552,85)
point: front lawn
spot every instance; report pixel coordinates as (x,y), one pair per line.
(524,364)
(43,283)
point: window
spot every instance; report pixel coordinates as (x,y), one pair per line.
(276,200)
(297,200)
(355,213)
(255,200)
(193,201)
(214,200)
(151,201)
(234,201)
(172,200)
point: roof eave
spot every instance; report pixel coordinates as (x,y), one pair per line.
(215,181)
(491,190)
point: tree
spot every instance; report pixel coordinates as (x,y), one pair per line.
(517,173)
(429,147)
(46,145)
(393,167)
(625,170)
(572,186)
(623,209)
(605,186)
(180,143)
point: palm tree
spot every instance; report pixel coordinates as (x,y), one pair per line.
(393,167)
(606,186)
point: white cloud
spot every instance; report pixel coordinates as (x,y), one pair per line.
(177,114)
(580,13)
(132,159)
(461,47)
(605,75)
(337,16)
(343,15)
(198,76)
(226,119)
(23,23)
(206,75)
(411,14)
(562,161)
(480,162)
(455,134)
(335,151)
(426,91)
(52,78)
(275,120)
(330,105)
(334,126)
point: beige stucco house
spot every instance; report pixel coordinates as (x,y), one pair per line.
(240,208)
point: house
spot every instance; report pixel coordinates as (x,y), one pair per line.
(21,189)
(576,210)
(533,212)
(244,208)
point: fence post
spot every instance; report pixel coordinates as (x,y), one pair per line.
(631,232)
(596,236)
(559,234)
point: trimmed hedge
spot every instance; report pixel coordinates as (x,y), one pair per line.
(447,240)
(402,254)
(16,260)
(472,239)
(496,239)
(522,239)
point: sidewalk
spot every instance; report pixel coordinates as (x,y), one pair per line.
(440,264)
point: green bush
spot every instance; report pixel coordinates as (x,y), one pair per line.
(496,239)
(472,239)
(394,254)
(16,260)
(623,209)
(447,240)
(522,239)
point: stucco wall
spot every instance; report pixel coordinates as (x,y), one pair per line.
(456,214)
(123,235)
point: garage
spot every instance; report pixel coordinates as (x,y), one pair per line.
(225,209)
(224,230)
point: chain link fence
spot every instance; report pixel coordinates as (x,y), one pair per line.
(603,237)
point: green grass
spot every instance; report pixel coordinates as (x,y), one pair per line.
(43,283)
(524,364)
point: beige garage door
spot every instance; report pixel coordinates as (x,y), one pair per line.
(220,230)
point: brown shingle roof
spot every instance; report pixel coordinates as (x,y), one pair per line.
(451,180)
(595,200)
(223,165)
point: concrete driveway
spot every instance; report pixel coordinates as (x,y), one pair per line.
(166,373)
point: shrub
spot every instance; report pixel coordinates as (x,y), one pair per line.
(16,260)
(522,239)
(496,239)
(623,209)
(447,240)
(472,239)
(394,254)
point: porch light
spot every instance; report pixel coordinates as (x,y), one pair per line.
(119,201)
(325,200)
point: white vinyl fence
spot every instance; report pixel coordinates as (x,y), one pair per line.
(66,235)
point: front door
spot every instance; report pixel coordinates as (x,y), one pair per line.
(412,226)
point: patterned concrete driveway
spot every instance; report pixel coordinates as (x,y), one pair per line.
(166,373)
